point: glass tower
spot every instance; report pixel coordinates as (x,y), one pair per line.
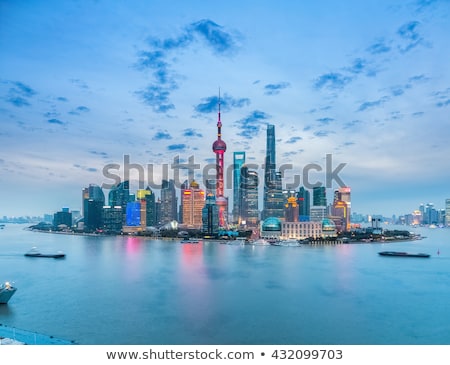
(238,162)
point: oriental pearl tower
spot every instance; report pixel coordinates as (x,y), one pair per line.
(219,147)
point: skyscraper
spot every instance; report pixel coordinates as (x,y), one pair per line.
(210,216)
(193,201)
(169,203)
(150,208)
(447,212)
(238,162)
(273,194)
(342,206)
(304,204)
(319,196)
(249,212)
(291,208)
(93,207)
(219,147)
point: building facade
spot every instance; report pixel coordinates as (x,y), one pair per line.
(238,162)
(193,201)
(248,198)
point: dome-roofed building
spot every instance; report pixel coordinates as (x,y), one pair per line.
(271,228)
(328,228)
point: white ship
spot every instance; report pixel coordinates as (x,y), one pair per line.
(6,292)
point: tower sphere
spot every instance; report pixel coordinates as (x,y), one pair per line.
(219,146)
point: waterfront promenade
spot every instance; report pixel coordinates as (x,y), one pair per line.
(16,336)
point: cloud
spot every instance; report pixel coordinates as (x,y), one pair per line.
(352,124)
(176,147)
(332,80)
(216,37)
(85,168)
(371,104)
(79,83)
(79,109)
(157,97)
(210,104)
(251,125)
(191,132)
(160,61)
(62,98)
(443,103)
(357,66)
(294,139)
(323,133)
(378,47)
(409,34)
(161,135)
(55,121)
(18,101)
(22,89)
(274,89)
(325,120)
(99,153)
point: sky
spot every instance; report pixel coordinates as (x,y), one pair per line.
(89,89)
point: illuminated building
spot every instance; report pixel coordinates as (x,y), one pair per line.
(193,201)
(273,194)
(342,207)
(219,147)
(150,208)
(112,219)
(238,162)
(141,196)
(271,228)
(133,214)
(291,208)
(210,216)
(319,196)
(304,204)
(447,212)
(93,202)
(168,202)
(301,230)
(249,213)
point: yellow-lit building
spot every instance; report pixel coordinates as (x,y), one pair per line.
(140,196)
(193,201)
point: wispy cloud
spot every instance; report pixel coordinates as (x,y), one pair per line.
(85,168)
(408,32)
(79,83)
(99,153)
(176,147)
(332,80)
(371,104)
(55,121)
(191,132)
(157,97)
(17,101)
(80,109)
(211,103)
(378,47)
(325,120)
(160,61)
(274,89)
(19,93)
(251,125)
(294,139)
(161,135)
(323,133)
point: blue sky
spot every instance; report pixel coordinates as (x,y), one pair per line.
(83,83)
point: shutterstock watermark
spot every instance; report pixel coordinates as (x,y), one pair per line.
(146,175)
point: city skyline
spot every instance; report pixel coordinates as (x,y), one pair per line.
(83,84)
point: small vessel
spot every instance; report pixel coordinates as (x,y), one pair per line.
(403,254)
(190,240)
(6,292)
(35,253)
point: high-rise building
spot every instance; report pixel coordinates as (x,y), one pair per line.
(219,147)
(150,208)
(447,212)
(112,219)
(133,214)
(193,201)
(273,193)
(320,196)
(248,197)
(291,208)
(210,216)
(341,207)
(62,218)
(169,202)
(93,202)
(238,162)
(304,204)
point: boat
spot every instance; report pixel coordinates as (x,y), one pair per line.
(403,254)
(190,240)
(35,253)
(6,292)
